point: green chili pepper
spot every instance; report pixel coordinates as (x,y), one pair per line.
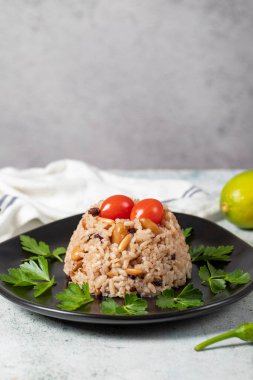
(244,332)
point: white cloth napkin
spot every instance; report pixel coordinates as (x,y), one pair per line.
(32,197)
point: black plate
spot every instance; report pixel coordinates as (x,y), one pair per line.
(58,234)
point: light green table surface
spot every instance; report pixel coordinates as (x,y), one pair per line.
(34,347)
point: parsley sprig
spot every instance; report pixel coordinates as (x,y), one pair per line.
(217,279)
(187,232)
(133,306)
(188,297)
(205,253)
(31,273)
(74,297)
(40,248)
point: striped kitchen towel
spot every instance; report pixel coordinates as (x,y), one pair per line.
(32,197)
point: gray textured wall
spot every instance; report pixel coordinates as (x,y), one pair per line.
(127,84)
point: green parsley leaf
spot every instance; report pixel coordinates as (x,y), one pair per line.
(42,287)
(31,245)
(31,273)
(133,306)
(36,271)
(217,279)
(108,306)
(217,285)
(166,299)
(188,297)
(16,277)
(203,253)
(74,297)
(57,252)
(238,277)
(204,273)
(187,232)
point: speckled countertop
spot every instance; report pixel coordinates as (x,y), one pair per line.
(34,347)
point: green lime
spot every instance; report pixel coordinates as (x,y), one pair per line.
(236,201)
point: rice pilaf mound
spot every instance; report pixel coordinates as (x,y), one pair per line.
(146,261)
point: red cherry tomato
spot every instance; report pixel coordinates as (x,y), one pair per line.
(148,209)
(116,206)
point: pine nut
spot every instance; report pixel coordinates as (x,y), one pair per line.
(134,272)
(111,273)
(124,243)
(147,223)
(108,222)
(118,233)
(78,265)
(84,223)
(76,254)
